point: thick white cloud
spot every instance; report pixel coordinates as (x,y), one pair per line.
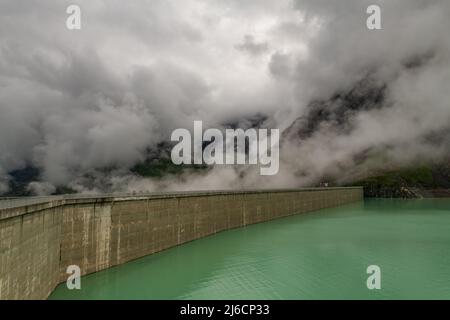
(72,102)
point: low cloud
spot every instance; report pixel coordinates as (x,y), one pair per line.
(85,106)
(252,46)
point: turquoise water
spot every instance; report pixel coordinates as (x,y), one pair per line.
(319,255)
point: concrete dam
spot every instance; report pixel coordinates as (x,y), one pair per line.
(41,237)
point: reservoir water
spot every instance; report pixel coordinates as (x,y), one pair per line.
(318,255)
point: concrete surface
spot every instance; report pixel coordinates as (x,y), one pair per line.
(41,237)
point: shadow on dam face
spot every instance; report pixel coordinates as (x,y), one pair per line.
(41,237)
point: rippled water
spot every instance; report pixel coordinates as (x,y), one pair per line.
(319,255)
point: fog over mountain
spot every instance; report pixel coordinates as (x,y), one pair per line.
(85,106)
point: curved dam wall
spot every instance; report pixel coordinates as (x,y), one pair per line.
(40,238)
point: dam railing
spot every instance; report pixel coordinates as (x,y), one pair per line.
(15,202)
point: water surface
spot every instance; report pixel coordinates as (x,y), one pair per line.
(318,255)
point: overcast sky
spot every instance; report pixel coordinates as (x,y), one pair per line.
(72,101)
